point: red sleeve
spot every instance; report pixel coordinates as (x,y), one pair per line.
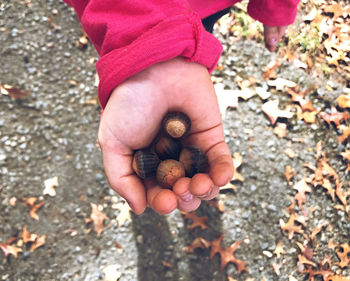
(132,35)
(273,12)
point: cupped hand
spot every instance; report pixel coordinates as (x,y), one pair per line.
(272,35)
(132,119)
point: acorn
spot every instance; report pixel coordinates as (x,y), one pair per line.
(169,171)
(145,163)
(176,124)
(168,148)
(194,160)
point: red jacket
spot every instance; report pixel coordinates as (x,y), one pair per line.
(131,35)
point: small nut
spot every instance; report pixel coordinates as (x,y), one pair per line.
(176,124)
(145,163)
(168,148)
(169,171)
(194,160)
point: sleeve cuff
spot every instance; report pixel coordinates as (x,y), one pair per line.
(182,35)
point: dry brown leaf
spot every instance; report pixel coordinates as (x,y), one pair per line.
(30,201)
(280,130)
(290,153)
(302,187)
(217,204)
(346,154)
(97,217)
(272,111)
(13,201)
(290,226)
(270,72)
(317,230)
(299,97)
(344,255)
(227,254)
(39,241)
(334,117)
(280,84)
(337,278)
(344,101)
(279,249)
(303,260)
(12,91)
(199,242)
(9,249)
(335,9)
(196,220)
(346,133)
(289,173)
(27,236)
(82,42)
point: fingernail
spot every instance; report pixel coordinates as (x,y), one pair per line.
(206,195)
(186,197)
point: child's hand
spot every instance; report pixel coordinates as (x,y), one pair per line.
(132,119)
(273,34)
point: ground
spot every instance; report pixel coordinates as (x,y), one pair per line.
(52,132)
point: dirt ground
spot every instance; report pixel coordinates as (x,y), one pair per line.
(53,132)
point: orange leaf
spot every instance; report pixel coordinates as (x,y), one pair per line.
(344,101)
(302,187)
(344,255)
(199,242)
(289,173)
(9,249)
(335,116)
(27,236)
(196,220)
(346,133)
(39,241)
(280,130)
(227,254)
(97,217)
(12,91)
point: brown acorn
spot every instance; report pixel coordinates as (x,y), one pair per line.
(145,163)
(169,171)
(168,148)
(194,160)
(176,124)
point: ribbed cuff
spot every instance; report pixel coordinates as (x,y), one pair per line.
(182,35)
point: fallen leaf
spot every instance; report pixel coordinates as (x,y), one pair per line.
(345,133)
(299,97)
(262,93)
(39,241)
(334,117)
(27,236)
(97,217)
(12,201)
(270,72)
(226,98)
(124,214)
(343,254)
(272,111)
(199,242)
(302,187)
(50,185)
(196,220)
(12,91)
(346,154)
(289,173)
(280,84)
(279,249)
(335,9)
(344,101)
(317,230)
(30,201)
(290,153)
(111,272)
(217,204)
(82,42)
(9,249)
(290,226)
(303,260)
(280,130)
(227,254)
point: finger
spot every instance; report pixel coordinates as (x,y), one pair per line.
(117,163)
(162,201)
(271,37)
(187,202)
(201,185)
(212,143)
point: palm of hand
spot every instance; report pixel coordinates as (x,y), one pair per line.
(132,119)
